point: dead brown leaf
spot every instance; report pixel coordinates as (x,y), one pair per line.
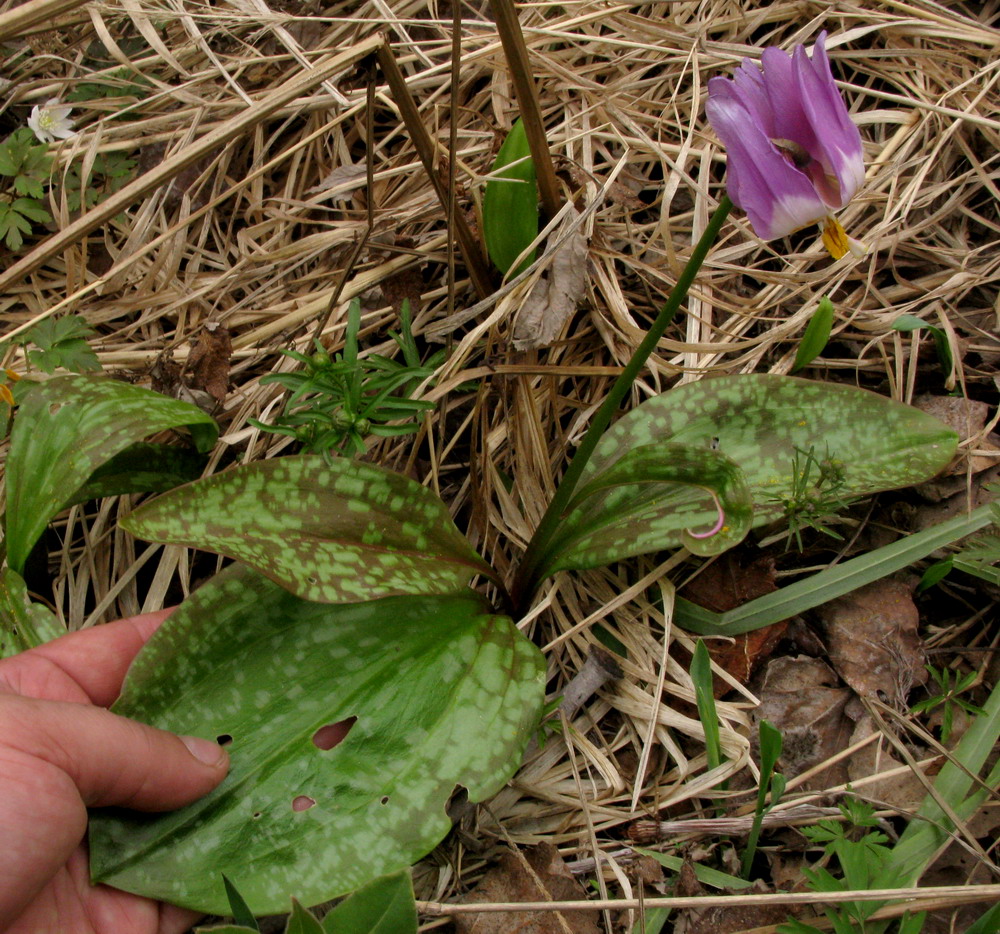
(342,183)
(731,920)
(801,696)
(967,417)
(208,364)
(903,791)
(555,296)
(724,585)
(534,874)
(873,642)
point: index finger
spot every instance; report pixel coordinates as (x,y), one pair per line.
(93,660)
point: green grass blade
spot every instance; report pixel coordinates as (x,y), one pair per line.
(826,585)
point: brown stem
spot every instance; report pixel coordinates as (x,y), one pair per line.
(519,65)
(599,668)
(422,142)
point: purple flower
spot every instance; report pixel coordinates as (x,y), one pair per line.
(794,154)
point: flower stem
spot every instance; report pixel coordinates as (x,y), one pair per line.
(526,579)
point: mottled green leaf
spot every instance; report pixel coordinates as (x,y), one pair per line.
(65,429)
(23,624)
(333,532)
(444,693)
(510,203)
(760,421)
(385,906)
(816,335)
(142,468)
(657,495)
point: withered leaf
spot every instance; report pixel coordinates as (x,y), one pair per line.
(516,878)
(208,364)
(873,642)
(554,298)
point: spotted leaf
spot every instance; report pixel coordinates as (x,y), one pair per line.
(349,727)
(766,423)
(657,495)
(332,532)
(68,427)
(23,624)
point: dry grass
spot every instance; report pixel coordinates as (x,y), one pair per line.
(251,212)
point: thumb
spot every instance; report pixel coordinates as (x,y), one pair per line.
(113,760)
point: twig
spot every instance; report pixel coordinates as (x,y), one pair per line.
(599,668)
(519,66)
(956,894)
(422,142)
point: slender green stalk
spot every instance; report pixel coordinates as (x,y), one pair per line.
(526,580)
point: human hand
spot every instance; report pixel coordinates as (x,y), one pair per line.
(62,752)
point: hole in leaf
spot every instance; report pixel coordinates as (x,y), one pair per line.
(312,580)
(256,815)
(384,799)
(223,739)
(303,803)
(326,737)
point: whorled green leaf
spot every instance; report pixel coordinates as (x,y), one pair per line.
(816,335)
(332,532)
(762,422)
(385,906)
(141,468)
(443,691)
(510,203)
(68,427)
(23,624)
(657,495)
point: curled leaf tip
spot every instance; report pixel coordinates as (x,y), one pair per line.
(719,522)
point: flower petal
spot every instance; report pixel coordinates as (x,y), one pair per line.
(777,197)
(838,139)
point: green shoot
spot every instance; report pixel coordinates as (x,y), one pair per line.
(860,857)
(770,781)
(950,685)
(816,335)
(337,403)
(816,494)
(510,204)
(935,573)
(701,676)
(979,557)
(907,323)
(238,906)
(61,342)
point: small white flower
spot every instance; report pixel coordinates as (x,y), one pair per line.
(51,122)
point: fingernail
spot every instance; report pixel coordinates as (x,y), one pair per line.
(204,750)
